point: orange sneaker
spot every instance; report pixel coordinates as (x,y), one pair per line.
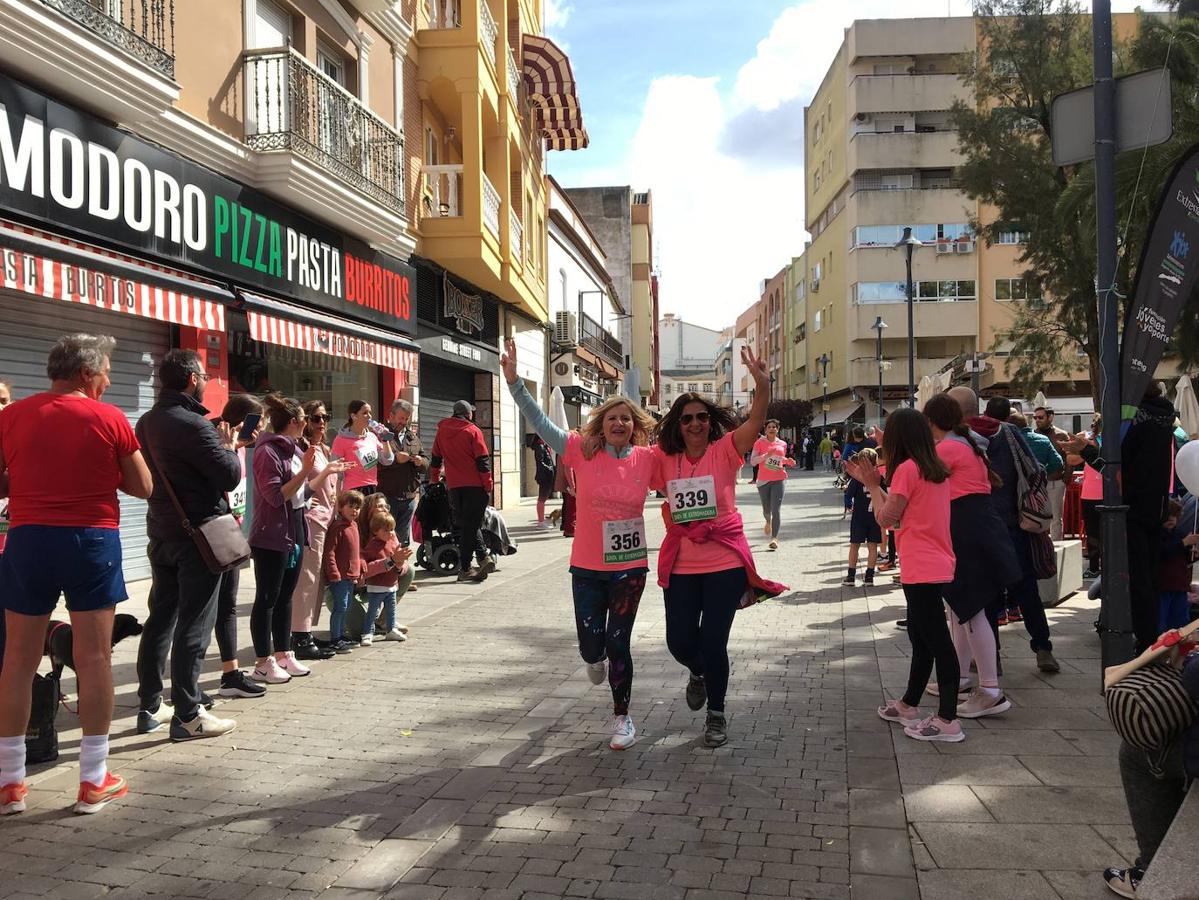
(93,798)
(12,798)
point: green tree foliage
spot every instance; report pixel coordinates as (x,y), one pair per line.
(790,413)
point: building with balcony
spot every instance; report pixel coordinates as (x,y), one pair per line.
(623,222)
(796,366)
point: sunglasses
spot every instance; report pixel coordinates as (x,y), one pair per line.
(318,418)
(686,418)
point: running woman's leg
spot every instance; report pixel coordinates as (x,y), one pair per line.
(591,616)
(721,594)
(776,506)
(684,604)
(624,597)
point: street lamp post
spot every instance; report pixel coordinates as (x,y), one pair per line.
(824,361)
(909,244)
(879,325)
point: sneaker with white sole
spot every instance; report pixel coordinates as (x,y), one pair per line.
(403,628)
(596,671)
(964,688)
(270,673)
(624,735)
(294,667)
(236,684)
(936,729)
(366,640)
(94,797)
(12,798)
(1124,882)
(204,725)
(983,703)
(395,635)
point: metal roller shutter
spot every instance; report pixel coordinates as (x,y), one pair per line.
(441,385)
(30,326)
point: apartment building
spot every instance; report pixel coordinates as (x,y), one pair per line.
(688,359)
(795,364)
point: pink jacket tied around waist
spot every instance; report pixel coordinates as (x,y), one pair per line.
(729,532)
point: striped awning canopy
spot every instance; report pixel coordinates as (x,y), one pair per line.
(553,92)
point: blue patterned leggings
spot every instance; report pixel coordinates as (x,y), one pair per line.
(604,614)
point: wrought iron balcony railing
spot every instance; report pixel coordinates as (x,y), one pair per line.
(292,106)
(142,28)
(600,341)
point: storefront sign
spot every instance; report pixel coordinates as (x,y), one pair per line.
(290,333)
(68,169)
(1166,278)
(466,351)
(465,309)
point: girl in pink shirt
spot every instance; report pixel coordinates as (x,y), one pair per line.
(613,471)
(917,502)
(769,455)
(705,565)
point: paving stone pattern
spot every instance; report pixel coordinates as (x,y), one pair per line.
(472,762)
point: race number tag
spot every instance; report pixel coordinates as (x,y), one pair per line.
(692,499)
(624,541)
(774,463)
(237,500)
(368,457)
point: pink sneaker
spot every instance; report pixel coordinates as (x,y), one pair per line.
(934,728)
(293,666)
(12,798)
(270,672)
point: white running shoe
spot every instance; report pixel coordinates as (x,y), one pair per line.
(395,635)
(366,640)
(270,672)
(294,667)
(596,671)
(624,735)
(983,703)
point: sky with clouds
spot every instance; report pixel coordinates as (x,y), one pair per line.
(701,101)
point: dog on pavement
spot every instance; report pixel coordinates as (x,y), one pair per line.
(60,643)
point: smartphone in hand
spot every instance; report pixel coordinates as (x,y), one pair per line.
(249,426)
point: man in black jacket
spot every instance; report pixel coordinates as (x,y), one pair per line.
(200,461)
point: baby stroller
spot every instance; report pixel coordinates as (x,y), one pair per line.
(438,550)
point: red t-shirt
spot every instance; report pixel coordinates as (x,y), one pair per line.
(925,549)
(62,453)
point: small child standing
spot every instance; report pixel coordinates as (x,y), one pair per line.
(342,565)
(1174,565)
(863,526)
(386,565)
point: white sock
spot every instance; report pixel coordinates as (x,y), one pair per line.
(93,758)
(12,759)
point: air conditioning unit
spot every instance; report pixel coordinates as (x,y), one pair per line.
(964,247)
(942,247)
(566,328)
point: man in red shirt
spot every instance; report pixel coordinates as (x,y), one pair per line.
(459,448)
(63,457)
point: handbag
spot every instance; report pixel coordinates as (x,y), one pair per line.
(1150,709)
(41,737)
(219,539)
(1032,488)
(1044,555)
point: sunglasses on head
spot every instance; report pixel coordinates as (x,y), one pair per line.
(686,418)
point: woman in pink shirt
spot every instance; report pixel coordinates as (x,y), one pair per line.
(705,566)
(769,455)
(613,470)
(1091,497)
(359,445)
(916,502)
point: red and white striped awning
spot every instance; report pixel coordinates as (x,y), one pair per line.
(553,91)
(46,265)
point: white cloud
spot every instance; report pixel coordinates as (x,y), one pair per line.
(556,14)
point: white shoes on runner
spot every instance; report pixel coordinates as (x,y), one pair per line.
(624,734)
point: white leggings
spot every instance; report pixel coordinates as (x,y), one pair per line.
(975,638)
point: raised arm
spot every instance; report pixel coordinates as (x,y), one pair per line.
(745,435)
(550,433)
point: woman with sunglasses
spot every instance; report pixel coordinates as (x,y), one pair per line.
(614,470)
(306,601)
(705,566)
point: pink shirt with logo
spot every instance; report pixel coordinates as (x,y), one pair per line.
(922,538)
(766,451)
(722,462)
(607,490)
(967,471)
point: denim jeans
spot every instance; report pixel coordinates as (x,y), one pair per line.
(342,591)
(402,509)
(376,600)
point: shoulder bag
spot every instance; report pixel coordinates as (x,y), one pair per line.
(1032,488)
(219,539)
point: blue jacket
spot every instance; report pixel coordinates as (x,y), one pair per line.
(1006,503)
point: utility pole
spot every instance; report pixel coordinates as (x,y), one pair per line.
(1115,616)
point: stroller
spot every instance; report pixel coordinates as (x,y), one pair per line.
(438,534)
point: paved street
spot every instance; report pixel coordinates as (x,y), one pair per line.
(471,762)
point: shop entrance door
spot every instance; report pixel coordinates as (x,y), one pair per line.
(441,385)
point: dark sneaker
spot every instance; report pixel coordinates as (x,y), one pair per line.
(147,721)
(848,581)
(902,623)
(867,581)
(1046,662)
(236,684)
(311,652)
(342,646)
(1124,882)
(715,733)
(697,692)
(1090,574)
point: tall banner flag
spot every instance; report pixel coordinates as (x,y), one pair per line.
(1165,279)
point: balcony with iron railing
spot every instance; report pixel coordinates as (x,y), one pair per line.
(144,29)
(293,107)
(600,341)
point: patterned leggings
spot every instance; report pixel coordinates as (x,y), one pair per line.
(604,614)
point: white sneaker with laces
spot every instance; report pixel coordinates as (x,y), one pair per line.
(624,735)
(270,673)
(366,640)
(294,667)
(395,635)
(596,671)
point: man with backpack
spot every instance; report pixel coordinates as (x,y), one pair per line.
(1009,453)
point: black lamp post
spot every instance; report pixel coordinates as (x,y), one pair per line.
(879,325)
(824,361)
(909,244)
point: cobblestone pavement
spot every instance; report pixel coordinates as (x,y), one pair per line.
(472,762)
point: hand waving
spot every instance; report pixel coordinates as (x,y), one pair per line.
(508,361)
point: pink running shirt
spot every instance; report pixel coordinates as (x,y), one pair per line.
(721,462)
(611,504)
(967,471)
(925,549)
(772,453)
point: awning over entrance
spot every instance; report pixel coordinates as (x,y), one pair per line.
(839,411)
(275,322)
(552,90)
(42,264)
